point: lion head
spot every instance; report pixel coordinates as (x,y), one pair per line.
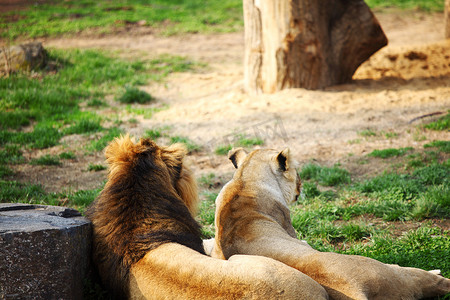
(269,167)
(150,199)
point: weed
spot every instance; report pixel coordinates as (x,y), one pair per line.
(67,155)
(11,154)
(46,160)
(96,103)
(12,191)
(83,198)
(100,143)
(441,124)
(96,168)
(426,248)
(190,145)
(134,95)
(207,180)
(248,142)
(223,149)
(424,5)
(443,146)
(390,135)
(434,203)
(146,112)
(103,16)
(324,175)
(5,171)
(85,124)
(390,152)
(133,121)
(309,190)
(434,174)
(367,133)
(206,214)
(154,133)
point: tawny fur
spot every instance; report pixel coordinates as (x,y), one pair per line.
(252,217)
(147,244)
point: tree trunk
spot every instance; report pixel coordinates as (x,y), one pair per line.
(305,43)
(447,19)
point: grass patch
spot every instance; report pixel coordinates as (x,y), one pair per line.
(324,175)
(443,146)
(147,112)
(102,141)
(223,149)
(134,95)
(46,160)
(157,132)
(190,145)
(12,191)
(426,248)
(95,167)
(5,171)
(390,152)
(441,124)
(240,140)
(86,123)
(67,155)
(206,214)
(11,154)
(171,16)
(424,5)
(367,133)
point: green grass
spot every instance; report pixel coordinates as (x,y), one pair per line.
(95,167)
(146,112)
(240,140)
(441,124)
(46,160)
(367,133)
(67,155)
(223,149)
(390,152)
(11,154)
(190,145)
(99,143)
(441,145)
(170,16)
(167,16)
(324,175)
(134,95)
(425,5)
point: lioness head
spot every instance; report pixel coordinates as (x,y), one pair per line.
(269,168)
(124,156)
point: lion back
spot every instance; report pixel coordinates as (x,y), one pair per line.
(139,209)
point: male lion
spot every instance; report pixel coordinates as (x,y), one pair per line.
(252,217)
(147,245)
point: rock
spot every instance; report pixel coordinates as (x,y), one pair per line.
(24,57)
(43,255)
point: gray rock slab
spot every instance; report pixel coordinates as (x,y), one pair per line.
(44,252)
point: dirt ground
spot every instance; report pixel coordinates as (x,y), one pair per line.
(407,79)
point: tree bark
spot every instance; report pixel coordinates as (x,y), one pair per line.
(305,43)
(447,19)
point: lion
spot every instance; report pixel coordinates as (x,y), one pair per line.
(252,217)
(147,244)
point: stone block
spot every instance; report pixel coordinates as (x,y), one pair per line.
(25,57)
(44,252)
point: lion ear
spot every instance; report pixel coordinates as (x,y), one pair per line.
(237,156)
(283,159)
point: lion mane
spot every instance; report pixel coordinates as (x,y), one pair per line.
(148,200)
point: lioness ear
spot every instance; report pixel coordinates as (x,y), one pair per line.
(237,156)
(283,159)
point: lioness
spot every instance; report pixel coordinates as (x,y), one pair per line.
(252,217)
(147,244)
